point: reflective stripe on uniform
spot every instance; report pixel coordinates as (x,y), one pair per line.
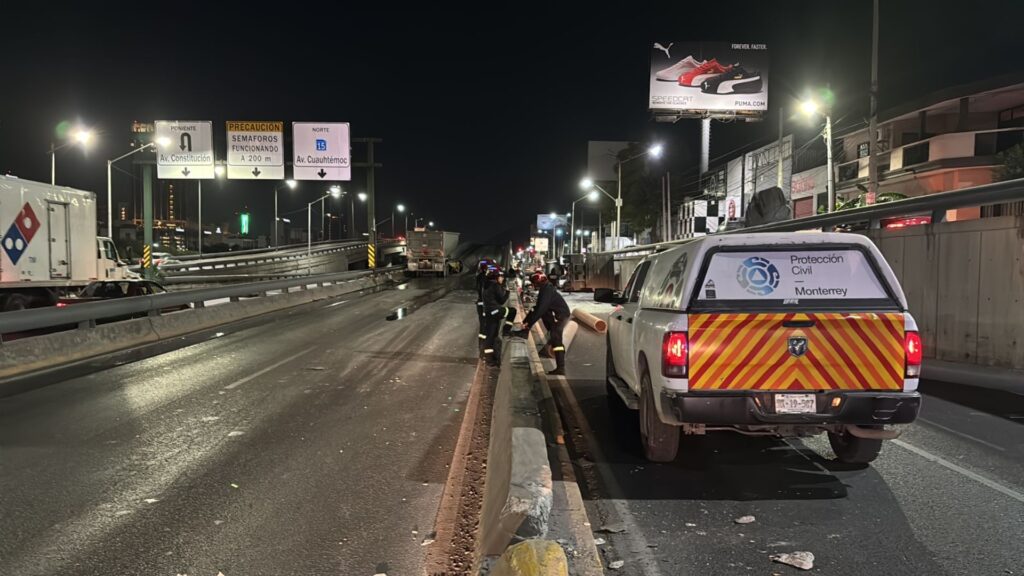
(495,312)
(489,351)
(481,336)
(559,349)
(507,323)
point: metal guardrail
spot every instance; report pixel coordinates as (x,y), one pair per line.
(232,261)
(934,205)
(88,313)
(251,251)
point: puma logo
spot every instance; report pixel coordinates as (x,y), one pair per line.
(665,49)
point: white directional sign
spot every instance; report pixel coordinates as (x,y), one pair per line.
(256,150)
(189,154)
(321,151)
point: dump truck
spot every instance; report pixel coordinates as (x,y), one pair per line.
(429,251)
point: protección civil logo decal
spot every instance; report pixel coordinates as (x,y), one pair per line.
(21,232)
(758,276)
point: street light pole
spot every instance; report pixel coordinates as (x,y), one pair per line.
(830,182)
(81,136)
(655,151)
(309,219)
(110,195)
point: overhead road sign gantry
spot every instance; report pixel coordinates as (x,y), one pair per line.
(189,156)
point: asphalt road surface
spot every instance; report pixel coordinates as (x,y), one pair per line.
(945,498)
(312,441)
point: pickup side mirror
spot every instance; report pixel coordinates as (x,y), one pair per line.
(607,296)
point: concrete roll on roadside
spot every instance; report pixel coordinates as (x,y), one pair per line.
(591,321)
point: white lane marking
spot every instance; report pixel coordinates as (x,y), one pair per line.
(968,436)
(806,457)
(335,304)
(238,383)
(961,470)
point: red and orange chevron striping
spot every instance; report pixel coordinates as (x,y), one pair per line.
(846,351)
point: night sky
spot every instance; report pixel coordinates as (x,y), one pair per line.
(485,115)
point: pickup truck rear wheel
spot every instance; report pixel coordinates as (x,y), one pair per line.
(660,441)
(853,449)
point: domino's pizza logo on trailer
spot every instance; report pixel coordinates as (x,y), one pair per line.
(21,232)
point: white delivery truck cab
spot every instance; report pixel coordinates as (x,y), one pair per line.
(49,246)
(781,334)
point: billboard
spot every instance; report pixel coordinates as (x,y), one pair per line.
(552,221)
(696,77)
(540,244)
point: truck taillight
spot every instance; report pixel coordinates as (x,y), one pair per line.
(912,345)
(675,355)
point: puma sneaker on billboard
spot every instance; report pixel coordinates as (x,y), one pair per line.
(735,81)
(703,72)
(674,72)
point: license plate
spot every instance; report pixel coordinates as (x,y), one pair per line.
(795,404)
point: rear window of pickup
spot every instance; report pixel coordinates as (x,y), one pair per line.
(791,278)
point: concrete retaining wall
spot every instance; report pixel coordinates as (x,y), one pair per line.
(41,352)
(964,283)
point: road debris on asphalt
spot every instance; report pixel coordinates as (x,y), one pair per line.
(316,368)
(615,528)
(617,564)
(599,541)
(801,560)
(429,539)
(744,520)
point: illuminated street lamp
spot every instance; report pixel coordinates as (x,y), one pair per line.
(588,184)
(811,108)
(590,195)
(80,136)
(335,192)
(654,151)
(401,210)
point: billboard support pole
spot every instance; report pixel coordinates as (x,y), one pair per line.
(705,143)
(779,150)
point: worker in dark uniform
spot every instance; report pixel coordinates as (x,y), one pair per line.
(496,313)
(481,282)
(552,310)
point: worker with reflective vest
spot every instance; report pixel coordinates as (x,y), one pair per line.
(496,313)
(552,310)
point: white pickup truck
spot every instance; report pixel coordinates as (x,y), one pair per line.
(783,334)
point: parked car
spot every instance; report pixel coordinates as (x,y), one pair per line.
(790,334)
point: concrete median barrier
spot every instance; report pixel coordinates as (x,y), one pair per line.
(517,503)
(37,353)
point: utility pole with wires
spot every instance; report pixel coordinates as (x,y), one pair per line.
(872,194)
